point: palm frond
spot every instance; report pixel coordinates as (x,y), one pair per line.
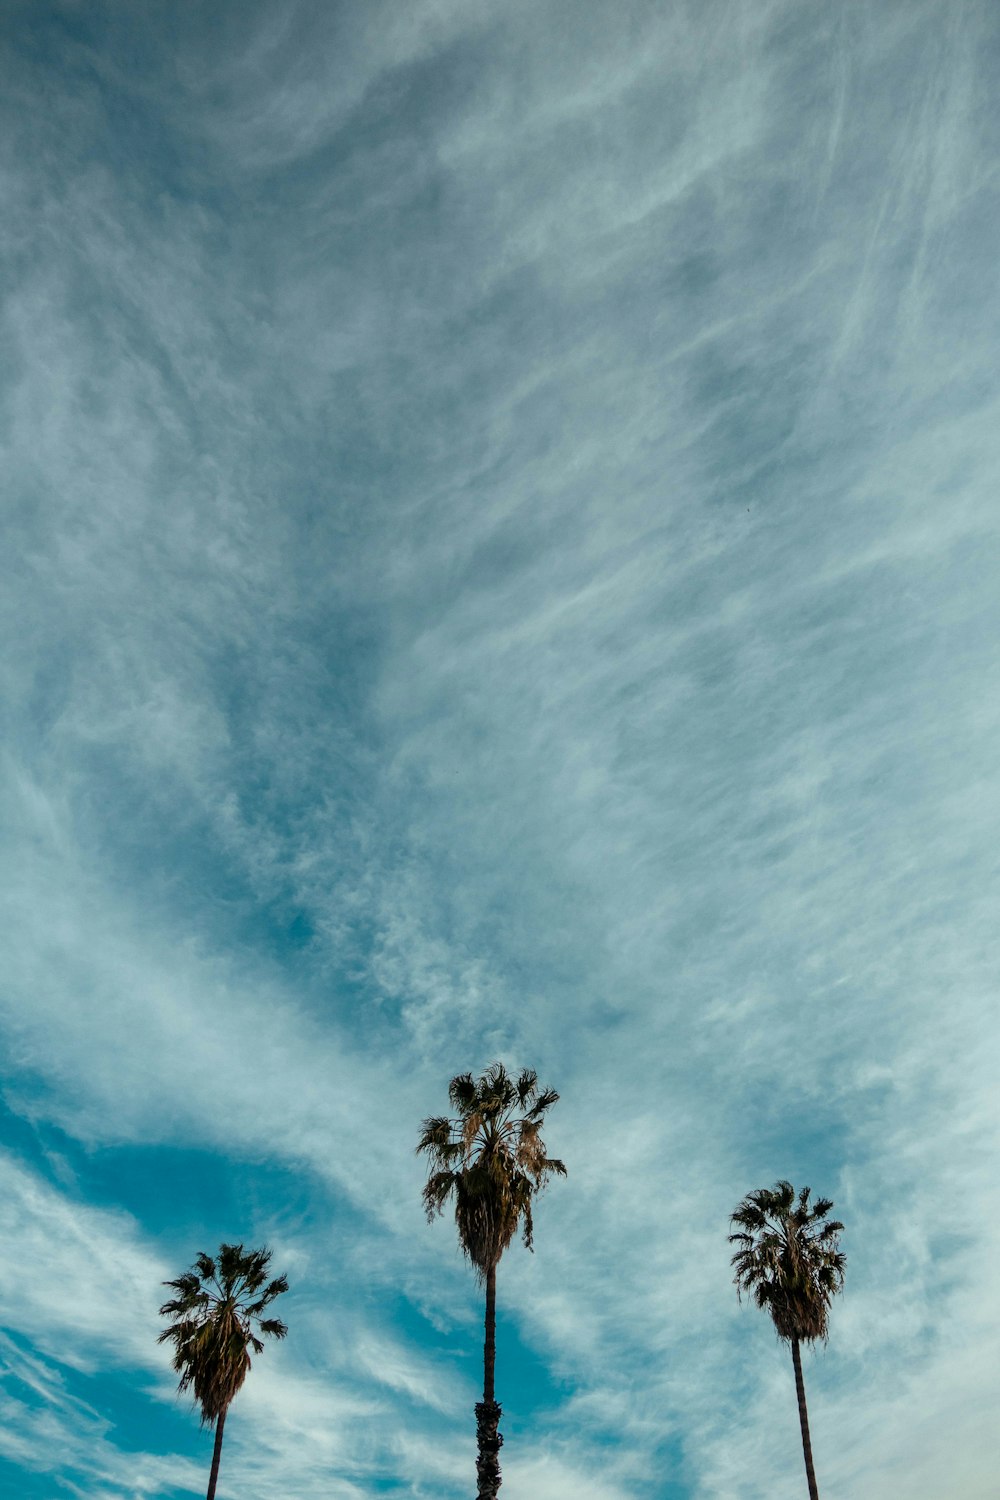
(217,1311)
(490,1159)
(437,1190)
(205,1266)
(787,1258)
(435,1134)
(544,1101)
(462,1092)
(527,1085)
(274,1328)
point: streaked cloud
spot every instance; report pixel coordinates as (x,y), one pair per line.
(500,560)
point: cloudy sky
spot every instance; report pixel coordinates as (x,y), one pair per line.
(501,559)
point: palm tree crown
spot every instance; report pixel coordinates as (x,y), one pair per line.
(788,1259)
(217,1313)
(491,1158)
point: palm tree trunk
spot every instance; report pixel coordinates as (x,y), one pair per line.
(487,1410)
(490,1330)
(800,1391)
(213,1478)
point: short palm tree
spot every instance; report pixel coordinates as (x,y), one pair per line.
(489,1157)
(788,1258)
(217,1317)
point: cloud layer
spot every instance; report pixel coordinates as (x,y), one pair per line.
(500,560)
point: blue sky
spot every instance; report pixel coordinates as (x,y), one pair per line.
(501,560)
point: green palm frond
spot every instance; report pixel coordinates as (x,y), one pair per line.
(787,1258)
(462,1092)
(274,1328)
(206,1266)
(435,1134)
(437,1190)
(217,1315)
(489,1159)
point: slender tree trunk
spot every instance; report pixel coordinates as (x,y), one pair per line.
(487,1410)
(213,1478)
(800,1391)
(490,1334)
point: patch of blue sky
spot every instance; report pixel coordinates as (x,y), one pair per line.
(134,1410)
(502,561)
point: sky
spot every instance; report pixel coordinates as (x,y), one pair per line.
(500,560)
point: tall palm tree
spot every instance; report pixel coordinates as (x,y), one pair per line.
(788,1258)
(492,1160)
(217,1309)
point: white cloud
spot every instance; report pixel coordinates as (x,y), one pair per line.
(545,547)
(83,1286)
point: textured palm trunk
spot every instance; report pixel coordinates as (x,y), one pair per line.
(213,1478)
(487,1410)
(800,1392)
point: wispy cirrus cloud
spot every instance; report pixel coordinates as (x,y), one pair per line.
(502,561)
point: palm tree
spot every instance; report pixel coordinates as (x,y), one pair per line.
(217,1309)
(492,1160)
(788,1258)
